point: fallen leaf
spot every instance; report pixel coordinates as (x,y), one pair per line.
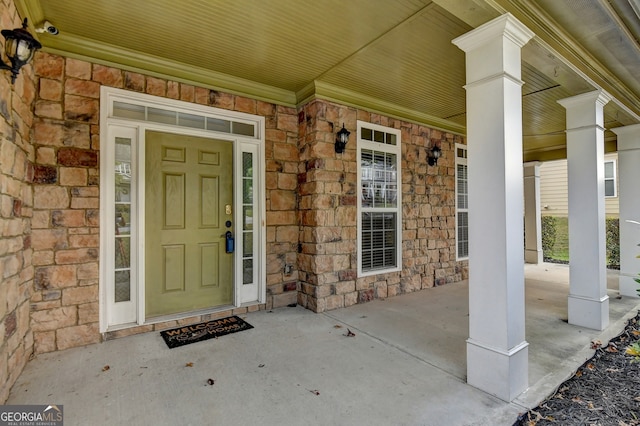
(349,333)
(210,382)
(595,344)
(633,350)
(578,373)
(261,365)
(315,392)
(105,368)
(337,326)
(612,349)
(189,364)
(590,366)
(635,332)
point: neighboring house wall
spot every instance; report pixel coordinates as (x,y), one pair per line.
(16,203)
(554,195)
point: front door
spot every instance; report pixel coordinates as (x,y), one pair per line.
(188,210)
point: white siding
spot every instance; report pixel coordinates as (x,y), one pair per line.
(554,189)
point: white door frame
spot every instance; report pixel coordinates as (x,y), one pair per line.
(134,126)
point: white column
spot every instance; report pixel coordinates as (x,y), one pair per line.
(588,300)
(532,216)
(629,197)
(497,353)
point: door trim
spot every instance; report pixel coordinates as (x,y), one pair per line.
(112,317)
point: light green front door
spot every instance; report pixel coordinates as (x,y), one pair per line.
(188,205)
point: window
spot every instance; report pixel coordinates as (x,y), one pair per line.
(462,203)
(134,111)
(122,203)
(248,203)
(379,204)
(610,179)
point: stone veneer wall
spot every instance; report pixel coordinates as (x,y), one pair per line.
(16,202)
(327,256)
(65,236)
(311,202)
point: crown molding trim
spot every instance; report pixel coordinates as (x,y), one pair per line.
(320,90)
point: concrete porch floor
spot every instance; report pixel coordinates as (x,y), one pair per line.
(406,365)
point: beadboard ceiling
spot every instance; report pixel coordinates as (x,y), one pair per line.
(390,56)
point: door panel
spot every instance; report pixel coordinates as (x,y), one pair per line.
(189,191)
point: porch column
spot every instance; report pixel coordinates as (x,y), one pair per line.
(629,198)
(588,300)
(497,353)
(532,216)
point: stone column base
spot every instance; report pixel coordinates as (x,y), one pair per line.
(504,374)
(589,313)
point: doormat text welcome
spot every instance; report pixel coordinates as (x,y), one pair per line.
(205,330)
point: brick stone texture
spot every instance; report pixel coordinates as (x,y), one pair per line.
(50,203)
(327,254)
(311,202)
(66,194)
(17,103)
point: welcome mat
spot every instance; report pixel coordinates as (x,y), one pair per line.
(205,330)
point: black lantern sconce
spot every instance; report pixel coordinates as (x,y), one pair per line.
(20,46)
(433,155)
(342,137)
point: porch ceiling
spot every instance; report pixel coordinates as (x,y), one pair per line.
(393,57)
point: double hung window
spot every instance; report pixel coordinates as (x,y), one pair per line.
(610,179)
(462,203)
(379,222)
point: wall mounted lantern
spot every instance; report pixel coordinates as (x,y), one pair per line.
(342,137)
(433,155)
(19,47)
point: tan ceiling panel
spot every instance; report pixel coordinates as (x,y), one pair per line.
(427,74)
(282,43)
(390,56)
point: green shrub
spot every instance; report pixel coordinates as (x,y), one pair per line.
(613,242)
(548,235)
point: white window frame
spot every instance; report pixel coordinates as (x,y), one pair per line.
(114,316)
(614,179)
(392,149)
(463,161)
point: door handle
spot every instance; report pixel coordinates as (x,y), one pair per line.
(229,242)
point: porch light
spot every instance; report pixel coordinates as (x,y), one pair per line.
(433,155)
(19,47)
(342,137)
